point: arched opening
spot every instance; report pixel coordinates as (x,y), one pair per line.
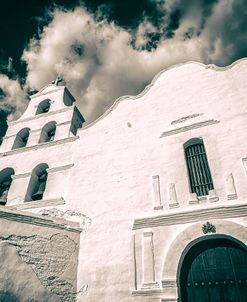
(48,132)
(37,183)
(21,138)
(5,182)
(213,270)
(200,178)
(43,107)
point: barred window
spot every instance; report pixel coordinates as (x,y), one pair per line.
(197,165)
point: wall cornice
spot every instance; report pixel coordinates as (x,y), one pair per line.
(218,212)
(34,219)
(189,127)
(37,204)
(60,168)
(38,116)
(39,146)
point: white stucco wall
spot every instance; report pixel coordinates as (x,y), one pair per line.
(108,174)
(116,157)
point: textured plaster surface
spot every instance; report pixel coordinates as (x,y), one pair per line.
(50,256)
(110,179)
(18,280)
(118,155)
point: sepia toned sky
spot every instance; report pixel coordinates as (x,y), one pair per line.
(106,49)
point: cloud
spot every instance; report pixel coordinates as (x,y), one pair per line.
(101,61)
(12,97)
(98,60)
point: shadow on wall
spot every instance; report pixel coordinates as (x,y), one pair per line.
(7,296)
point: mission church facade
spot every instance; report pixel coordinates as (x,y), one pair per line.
(148,203)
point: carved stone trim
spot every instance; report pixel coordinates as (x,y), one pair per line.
(186,118)
(64,123)
(212,196)
(189,127)
(193,199)
(34,219)
(208,228)
(219,212)
(169,283)
(39,146)
(38,204)
(147,234)
(61,168)
(147,292)
(156,192)
(173,200)
(23,175)
(150,285)
(158,208)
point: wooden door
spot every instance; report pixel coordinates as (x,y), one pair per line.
(217,274)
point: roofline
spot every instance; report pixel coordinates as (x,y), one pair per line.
(149,86)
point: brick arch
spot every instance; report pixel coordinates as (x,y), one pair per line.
(194,233)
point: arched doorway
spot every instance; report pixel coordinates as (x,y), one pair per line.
(213,269)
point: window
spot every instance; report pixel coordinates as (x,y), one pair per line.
(48,132)
(21,138)
(37,183)
(5,182)
(43,107)
(198,169)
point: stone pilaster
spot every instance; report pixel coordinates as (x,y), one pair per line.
(148,269)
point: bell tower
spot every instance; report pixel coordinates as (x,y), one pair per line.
(35,155)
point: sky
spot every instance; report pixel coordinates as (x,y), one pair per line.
(106,49)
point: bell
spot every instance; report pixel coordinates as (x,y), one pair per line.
(3,197)
(40,191)
(38,195)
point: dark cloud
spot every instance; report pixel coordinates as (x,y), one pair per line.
(105,49)
(3,124)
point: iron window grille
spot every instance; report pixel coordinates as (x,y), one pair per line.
(197,165)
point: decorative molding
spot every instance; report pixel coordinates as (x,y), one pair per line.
(38,116)
(37,220)
(64,123)
(69,215)
(193,199)
(39,146)
(212,196)
(148,262)
(230,187)
(38,129)
(182,217)
(169,283)
(23,175)
(189,127)
(134,261)
(147,234)
(208,228)
(156,208)
(186,118)
(173,200)
(150,285)
(147,292)
(60,168)
(156,191)
(38,204)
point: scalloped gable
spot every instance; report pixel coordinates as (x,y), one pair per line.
(176,76)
